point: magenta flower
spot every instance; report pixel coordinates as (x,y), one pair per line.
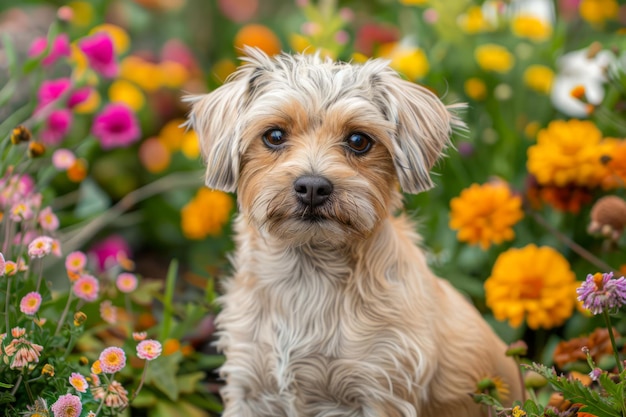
(600,293)
(30,303)
(60,48)
(51,90)
(67,405)
(100,53)
(57,126)
(116,126)
(107,251)
(86,288)
(149,349)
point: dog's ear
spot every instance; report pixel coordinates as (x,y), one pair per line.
(215,118)
(423,128)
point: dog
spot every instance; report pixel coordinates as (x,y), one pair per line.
(332,309)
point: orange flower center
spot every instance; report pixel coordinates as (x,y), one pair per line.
(531,288)
(597,279)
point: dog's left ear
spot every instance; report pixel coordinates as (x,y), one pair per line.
(423,128)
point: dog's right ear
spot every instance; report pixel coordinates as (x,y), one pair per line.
(215,118)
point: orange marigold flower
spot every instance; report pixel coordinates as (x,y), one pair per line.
(531,27)
(567,152)
(485,214)
(259,36)
(206,214)
(532,283)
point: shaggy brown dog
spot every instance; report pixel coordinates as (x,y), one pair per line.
(332,310)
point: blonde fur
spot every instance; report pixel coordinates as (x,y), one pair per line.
(332,310)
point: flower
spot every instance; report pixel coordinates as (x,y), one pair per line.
(567,152)
(474,21)
(47,370)
(108,250)
(149,349)
(256,35)
(30,303)
(608,217)
(86,288)
(78,382)
(600,292)
(52,90)
(121,40)
(115,395)
(48,220)
(532,282)
(60,48)
(475,88)
(96,368)
(22,352)
(517,411)
(139,336)
(206,214)
(531,27)
(75,261)
(408,60)
(57,126)
(126,282)
(154,155)
(122,91)
(598,344)
(40,247)
(2,264)
(496,58)
(597,12)
(79,318)
(108,312)
(539,78)
(112,360)
(100,52)
(485,214)
(67,405)
(116,126)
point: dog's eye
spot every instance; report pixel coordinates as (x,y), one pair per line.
(274,138)
(359,143)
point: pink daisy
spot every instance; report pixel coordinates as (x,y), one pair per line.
(63,159)
(116,126)
(40,247)
(60,48)
(21,211)
(67,405)
(56,248)
(112,360)
(48,220)
(100,53)
(86,288)
(149,349)
(126,282)
(108,312)
(30,303)
(78,382)
(76,261)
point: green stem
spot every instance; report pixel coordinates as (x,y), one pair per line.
(607,319)
(64,314)
(6,305)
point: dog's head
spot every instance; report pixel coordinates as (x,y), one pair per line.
(315,149)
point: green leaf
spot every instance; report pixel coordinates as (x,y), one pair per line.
(168,309)
(162,375)
(93,200)
(187,383)
(10,54)
(145,399)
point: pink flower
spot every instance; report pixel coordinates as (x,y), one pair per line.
(18,332)
(22,352)
(106,251)
(86,288)
(139,336)
(14,188)
(57,126)
(76,261)
(108,312)
(100,53)
(56,248)
(48,220)
(149,349)
(30,303)
(67,405)
(21,211)
(60,48)
(63,159)
(40,247)
(116,126)
(112,360)
(2,264)
(78,382)
(52,90)
(126,282)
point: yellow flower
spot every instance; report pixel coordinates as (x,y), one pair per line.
(121,40)
(206,214)
(518,412)
(174,74)
(145,74)
(531,27)
(597,12)
(414,2)
(485,214)
(300,43)
(539,78)
(123,91)
(90,105)
(567,152)
(190,147)
(535,283)
(474,21)
(409,61)
(172,134)
(223,68)
(475,88)
(496,58)
(82,13)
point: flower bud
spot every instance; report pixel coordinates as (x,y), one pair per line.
(519,348)
(79,318)
(36,149)
(47,370)
(20,134)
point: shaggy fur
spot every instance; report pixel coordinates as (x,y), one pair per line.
(332,310)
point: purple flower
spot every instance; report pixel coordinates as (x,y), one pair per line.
(51,90)
(100,53)
(116,126)
(600,292)
(60,48)
(57,125)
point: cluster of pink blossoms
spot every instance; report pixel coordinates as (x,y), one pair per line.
(19,352)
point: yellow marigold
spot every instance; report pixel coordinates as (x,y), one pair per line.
(539,78)
(82,13)
(597,12)
(473,21)
(172,134)
(532,283)
(122,91)
(567,152)
(409,61)
(174,74)
(190,146)
(146,75)
(475,88)
(616,164)
(485,214)
(496,58)
(206,214)
(531,27)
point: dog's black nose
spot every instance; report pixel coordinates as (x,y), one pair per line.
(312,190)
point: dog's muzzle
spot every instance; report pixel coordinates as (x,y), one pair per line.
(312,190)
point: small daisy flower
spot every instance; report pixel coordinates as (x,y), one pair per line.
(40,247)
(126,282)
(67,405)
(600,292)
(112,360)
(48,220)
(78,382)
(139,336)
(96,368)
(86,288)
(56,248)
(108,312)
(20,211)
(76,261)
(30,303)
(63,159)
(149,349)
